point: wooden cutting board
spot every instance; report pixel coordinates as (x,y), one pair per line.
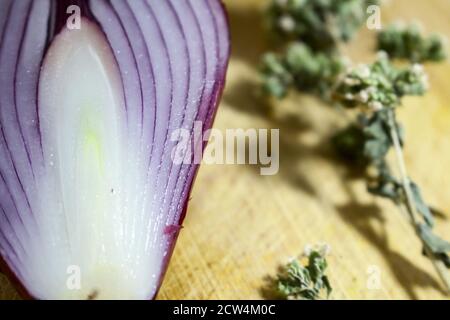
(241,225)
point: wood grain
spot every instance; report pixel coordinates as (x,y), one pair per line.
(241,225)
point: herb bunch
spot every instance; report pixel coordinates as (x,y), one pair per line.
(302,69)
(321,24)
(312,31)
(296,281)
(407,42)
(375,90)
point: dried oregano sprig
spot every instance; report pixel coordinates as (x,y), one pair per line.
(320,24)
(302,69)
(313,29)
(376,89)
(379,85)
(408,42)
(296,281)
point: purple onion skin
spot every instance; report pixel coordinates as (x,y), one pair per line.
(202,49)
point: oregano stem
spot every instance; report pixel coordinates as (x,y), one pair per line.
(402,167)
(410,203)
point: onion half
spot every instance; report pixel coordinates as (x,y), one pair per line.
(88,187)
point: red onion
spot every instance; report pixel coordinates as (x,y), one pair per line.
(91,202)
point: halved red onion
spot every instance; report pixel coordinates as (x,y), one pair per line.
(87,182)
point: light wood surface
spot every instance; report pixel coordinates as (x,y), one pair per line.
(241,225)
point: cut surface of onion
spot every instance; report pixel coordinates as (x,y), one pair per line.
(91,202)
